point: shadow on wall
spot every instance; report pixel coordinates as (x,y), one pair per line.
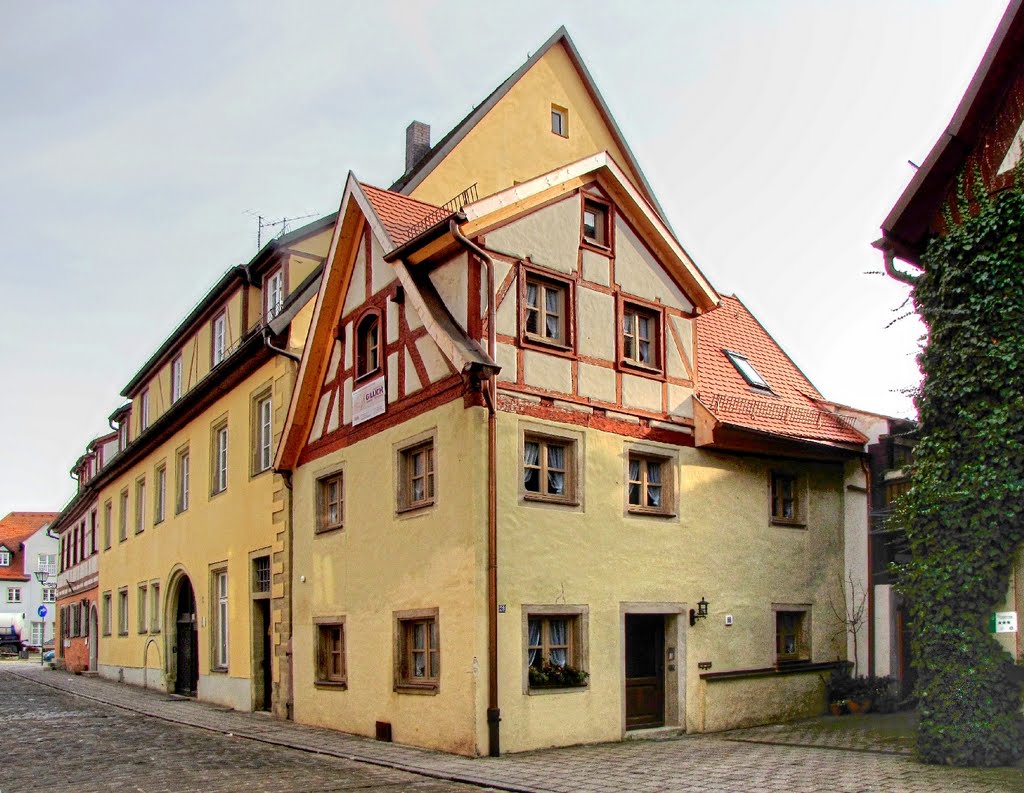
(151,642)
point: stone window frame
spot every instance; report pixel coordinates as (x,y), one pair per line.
(140,504)
(154,606)
(579,654)
(804,646)
(321,676)
(220,625)
(257,445)
(402,623)
(405,451)
(670,468)
(801,497)
(107,616)
(576,453)
(182,478)
(142,608)
(122,518)
(123,613)
(160,492)
(219,475)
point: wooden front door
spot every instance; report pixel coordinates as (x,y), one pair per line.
(186,645)
(645,670)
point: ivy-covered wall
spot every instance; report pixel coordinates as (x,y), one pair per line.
(964,516)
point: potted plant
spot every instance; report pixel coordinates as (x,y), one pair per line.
(549,675)
(838,689)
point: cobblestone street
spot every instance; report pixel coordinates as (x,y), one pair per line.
(65,732)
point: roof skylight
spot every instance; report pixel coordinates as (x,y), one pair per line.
(746,368)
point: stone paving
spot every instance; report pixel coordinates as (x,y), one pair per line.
(796,758)
(55,741)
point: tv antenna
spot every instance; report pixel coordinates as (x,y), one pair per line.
(262,222)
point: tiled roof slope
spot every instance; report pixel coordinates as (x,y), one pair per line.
(793,409)
(403,217)
(14,530)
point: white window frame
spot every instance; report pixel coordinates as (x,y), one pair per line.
(47,562)
(176,371)
(144,411)
(38,634)
(140,505)
(274,298)
(142,599)
(49,593)
(220,324)
(122,612)
(13,594)
(264,433)
(221,617)
(220,458)
(160,495)
(182,461)
(5,558)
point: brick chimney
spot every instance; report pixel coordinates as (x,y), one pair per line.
(417,143)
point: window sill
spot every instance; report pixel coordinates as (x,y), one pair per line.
(154,631)
(143,633)
(429,689)
(367,375)
(215,493)
(535,691)
(328,529)
(633,367)
(547,345)
(650,513)
(122,633)
(219,670)
(594,245)
(254,474)
(337,685)
(158,522)
(540,498)
(788,524)
(404,510)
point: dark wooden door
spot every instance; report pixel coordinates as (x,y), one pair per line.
(262,668)
(186,646)
(645,670)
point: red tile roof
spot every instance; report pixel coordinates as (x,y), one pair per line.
(14,530)
(402,217)
(793,409)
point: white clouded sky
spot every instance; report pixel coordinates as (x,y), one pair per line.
(136,136)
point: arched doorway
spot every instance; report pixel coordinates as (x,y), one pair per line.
(185,649)
(94,640)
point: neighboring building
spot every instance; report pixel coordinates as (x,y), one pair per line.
(77,527)
(26,546)
(194,523)
(655,454)
(985,136)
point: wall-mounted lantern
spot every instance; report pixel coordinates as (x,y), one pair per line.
(700,613)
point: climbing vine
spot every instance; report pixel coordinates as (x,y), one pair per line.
(964,516)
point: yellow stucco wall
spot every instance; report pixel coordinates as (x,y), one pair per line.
(514,141)
(215,531)
(382,562)
(721,546)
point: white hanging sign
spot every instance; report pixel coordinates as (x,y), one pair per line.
(368,400)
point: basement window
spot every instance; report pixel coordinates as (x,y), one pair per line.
(747,370)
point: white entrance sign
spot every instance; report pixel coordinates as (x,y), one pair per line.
(368,401)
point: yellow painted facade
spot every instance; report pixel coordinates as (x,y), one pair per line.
(514,141)
(236,523)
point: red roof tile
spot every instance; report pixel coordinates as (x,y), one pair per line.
(402,217)
(14,530)
(793,409)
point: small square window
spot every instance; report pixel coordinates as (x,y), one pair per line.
(786,498)
(553,654)
(419,651)
(649,489)
(545,310)
(261,575)
(548,469)
(560,121)
(330,493)
(416,472)
(595,224)
(330,654)
(641,337)
(792,636)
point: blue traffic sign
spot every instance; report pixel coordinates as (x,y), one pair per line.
(41,611)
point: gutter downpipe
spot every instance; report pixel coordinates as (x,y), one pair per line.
(493,711)
(279,350)
(866,467)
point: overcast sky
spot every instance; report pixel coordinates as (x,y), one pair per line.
(140,139)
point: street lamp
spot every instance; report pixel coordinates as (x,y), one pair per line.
(42,576)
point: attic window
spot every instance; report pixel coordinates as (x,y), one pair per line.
(560,121)
(5,558)
(746,368)
(595,224)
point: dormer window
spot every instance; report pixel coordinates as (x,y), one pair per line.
(368,345)
(595,224)
(5,557)
(273,294)
(747,370)
(122,433)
